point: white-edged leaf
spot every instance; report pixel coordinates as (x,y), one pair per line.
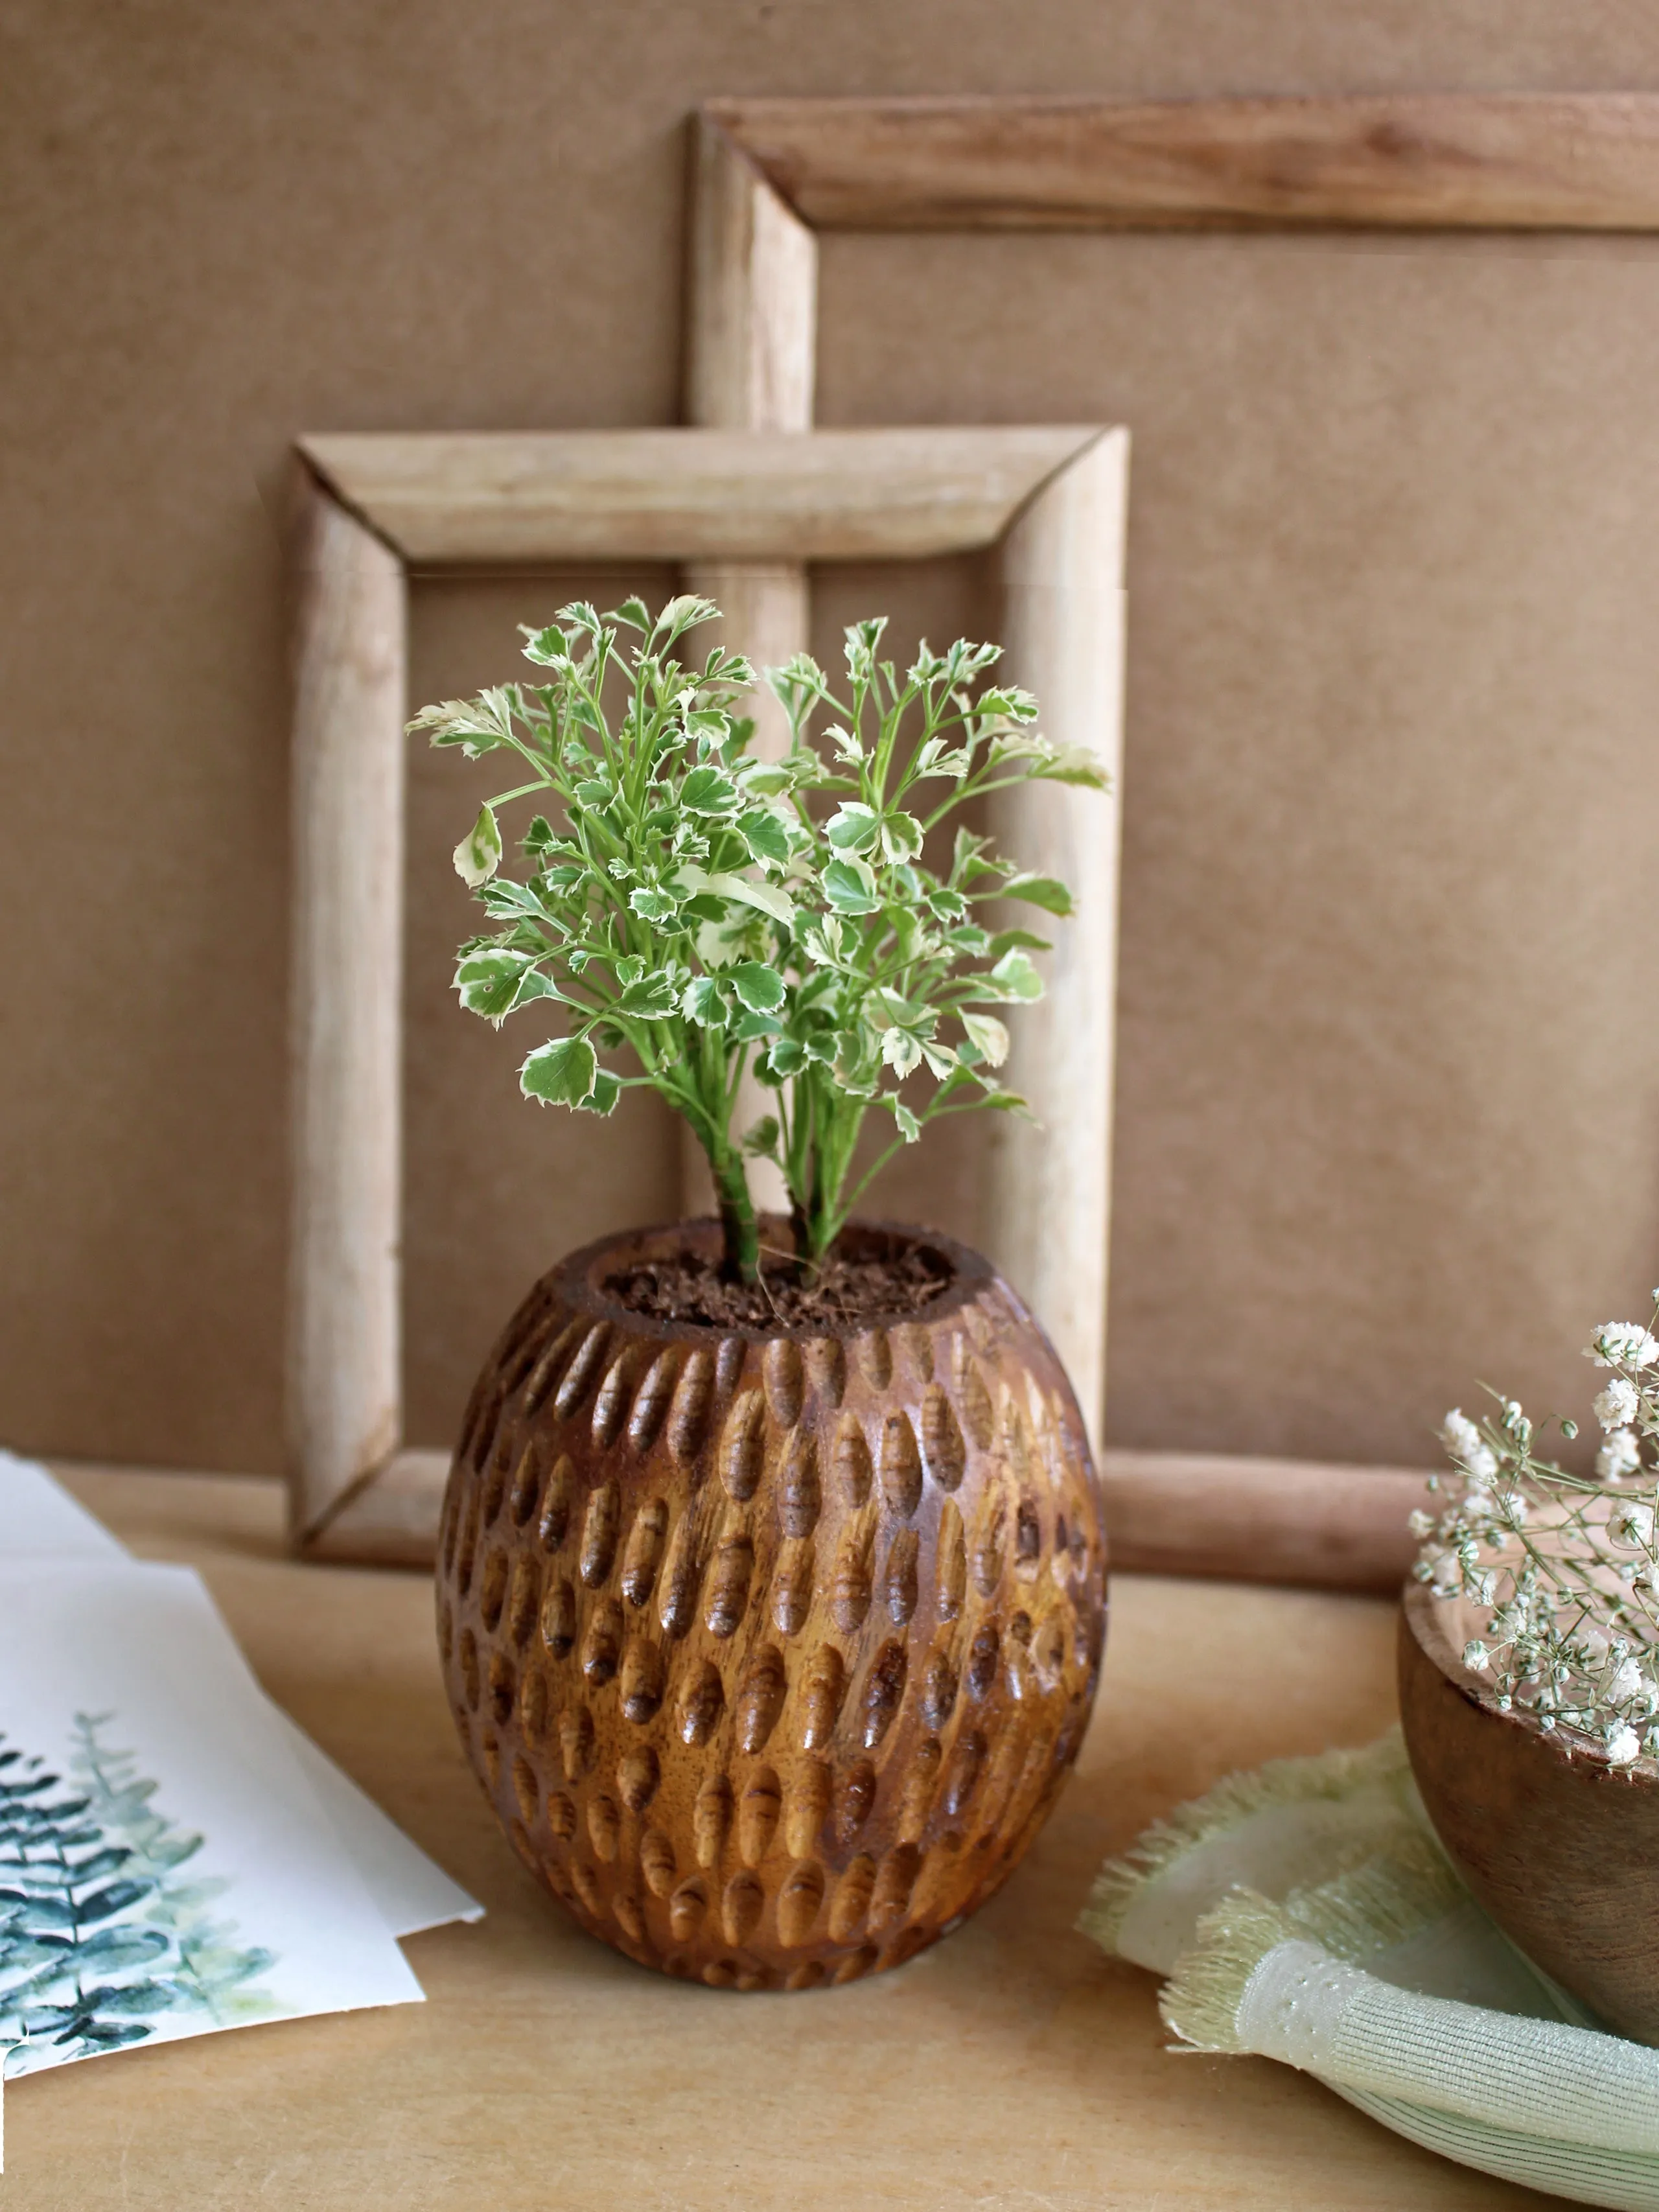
(479,853)
(853,827)
(561,1074)
(761,988)
(850,886)
(989,1033)
(1046,891)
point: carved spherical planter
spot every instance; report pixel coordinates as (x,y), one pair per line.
(1561,1849)
(771,1649)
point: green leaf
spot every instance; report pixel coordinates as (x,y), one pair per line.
(657,907)
(850,886)
(853,827)
(1007,941)
(1073,765)
(1046,891)
(701,1002)
(602,1098)
(761,988)
(901,837)
(767,898)
(1016,976)
(787,1057)
(488,981)
(561,1074)
(709,791)
(650,998)
(901,1051)
(762,1141)
(546,646)
(908,1127)
(479,853)
(765,835)
(988,1036)
(749,1027)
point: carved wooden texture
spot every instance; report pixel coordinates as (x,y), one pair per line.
(1393,161)
(771,1653)
(1559,1847)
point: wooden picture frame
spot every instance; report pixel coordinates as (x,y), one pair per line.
(768,174)
(719,504)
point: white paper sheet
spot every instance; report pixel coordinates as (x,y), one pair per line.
(166,1866)
(38,1516)
(39,1519)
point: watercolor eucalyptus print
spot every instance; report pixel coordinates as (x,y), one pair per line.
(103,1932)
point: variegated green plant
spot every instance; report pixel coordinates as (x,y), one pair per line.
(700,911)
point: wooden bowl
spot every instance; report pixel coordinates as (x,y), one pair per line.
(1561,1849)
(771,1647)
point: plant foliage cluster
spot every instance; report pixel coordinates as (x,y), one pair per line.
(703,912)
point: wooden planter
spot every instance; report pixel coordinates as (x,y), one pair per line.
(771,1649)
(1561,1848)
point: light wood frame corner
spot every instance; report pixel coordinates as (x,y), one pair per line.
(722,504)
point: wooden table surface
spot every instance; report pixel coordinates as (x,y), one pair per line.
(1013,2068)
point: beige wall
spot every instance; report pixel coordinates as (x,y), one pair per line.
(1389,1098)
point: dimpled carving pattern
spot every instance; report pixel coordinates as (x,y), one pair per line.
(771,1653)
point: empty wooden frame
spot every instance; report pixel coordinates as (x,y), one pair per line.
(721,505)
(768,174)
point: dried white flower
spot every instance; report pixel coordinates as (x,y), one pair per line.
(1628,1680)
(1623,1745)
(1630,1527)
(1465,1443)
(1616,1406)
(1619,1456)
(1476,1655)
(1622,1344)
(1421,1524)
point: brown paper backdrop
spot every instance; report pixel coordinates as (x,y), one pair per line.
(1388,1109)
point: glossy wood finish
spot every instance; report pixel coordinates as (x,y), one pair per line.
(1562,1849)
(1392,160)
(771,1649)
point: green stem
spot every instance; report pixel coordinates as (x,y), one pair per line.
(739,1229)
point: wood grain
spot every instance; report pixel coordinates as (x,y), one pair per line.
(772,1647)
(751,343)
(1012,2066)
(1293,1522)
(1586,162)
(700,496)
(1050,1194)
(1560,1847)
(344,1383)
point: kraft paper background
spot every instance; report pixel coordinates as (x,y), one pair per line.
(1389,1102)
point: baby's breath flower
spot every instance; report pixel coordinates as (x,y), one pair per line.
(1628,1680)
(1630,1527)
(1622,1344)
(1567,1631)
(1616,1406)
(1465,1443)
(1619,1456)
(1623,1745)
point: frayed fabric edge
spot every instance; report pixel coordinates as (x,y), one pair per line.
(1235,1799)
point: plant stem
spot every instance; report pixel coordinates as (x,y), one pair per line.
(740,1231)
